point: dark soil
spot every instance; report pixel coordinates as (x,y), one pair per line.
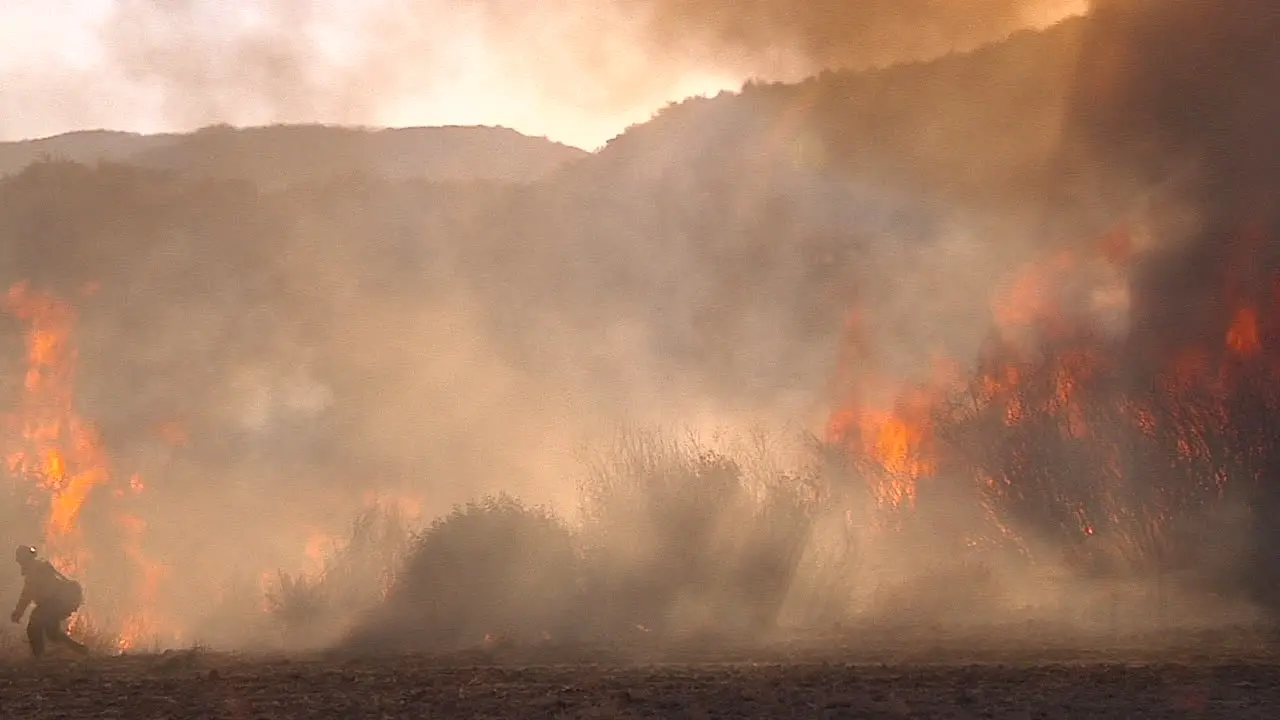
(195,684)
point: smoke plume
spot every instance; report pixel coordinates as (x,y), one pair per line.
(834,33)
(1178,96)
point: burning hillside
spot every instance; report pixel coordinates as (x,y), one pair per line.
(1121,415)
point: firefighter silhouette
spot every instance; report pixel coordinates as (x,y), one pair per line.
(55,597)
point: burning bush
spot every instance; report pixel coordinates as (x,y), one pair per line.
(1133,456)
(1129,472)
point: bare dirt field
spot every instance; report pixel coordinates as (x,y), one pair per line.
(1207,678)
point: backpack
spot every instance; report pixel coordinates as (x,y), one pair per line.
(69,590)
(74,592)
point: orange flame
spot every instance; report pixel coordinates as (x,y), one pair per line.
(59,453)
(58,450)
(1053,365)
(896,441)
(1242,336)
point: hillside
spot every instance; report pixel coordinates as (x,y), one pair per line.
(85,146)
(318,329)
(1025,297)
(283,155)
(739,231)
(711,255)
(320,321)
(966,127)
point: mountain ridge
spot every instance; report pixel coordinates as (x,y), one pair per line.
(285,154)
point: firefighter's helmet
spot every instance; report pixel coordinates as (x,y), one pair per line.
(24,554)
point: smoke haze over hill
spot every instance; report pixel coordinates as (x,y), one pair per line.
(144,64)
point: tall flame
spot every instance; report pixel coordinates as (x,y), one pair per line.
(59,455)
(56,449)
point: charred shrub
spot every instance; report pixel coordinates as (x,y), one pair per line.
(491,568)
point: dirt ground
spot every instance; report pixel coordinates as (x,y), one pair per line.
(1200,677)
(395,688)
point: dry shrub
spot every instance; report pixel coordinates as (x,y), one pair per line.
(676,538)
(682,537)
(103,638)
(298,603)
(310,610)
(491,568)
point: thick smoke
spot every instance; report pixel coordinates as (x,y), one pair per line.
(1172,116)
(462,338)
(837,33)
(1180,95)
(207,62)
(292,60)
(596,55)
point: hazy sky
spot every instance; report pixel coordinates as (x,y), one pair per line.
(578,71)
(66,65)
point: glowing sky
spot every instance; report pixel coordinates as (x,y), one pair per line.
(571,70)
(59,72)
